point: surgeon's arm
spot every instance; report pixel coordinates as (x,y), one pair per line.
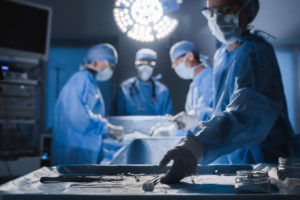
(101,125)
(246,122)
(81,113)
(248,118)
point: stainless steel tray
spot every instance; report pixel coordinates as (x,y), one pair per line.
(213,182)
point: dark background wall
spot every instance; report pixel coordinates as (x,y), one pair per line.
(92,20)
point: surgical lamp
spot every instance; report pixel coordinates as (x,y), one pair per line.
(144,20)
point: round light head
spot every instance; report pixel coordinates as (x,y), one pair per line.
(143,20)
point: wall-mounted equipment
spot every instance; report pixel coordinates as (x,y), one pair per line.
(24,47)
(25,30)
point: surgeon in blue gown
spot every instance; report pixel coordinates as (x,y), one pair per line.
(143,94)
(79,124)
(189,64)
(250,121)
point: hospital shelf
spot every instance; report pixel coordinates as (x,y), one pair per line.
(18,121)
(24,82)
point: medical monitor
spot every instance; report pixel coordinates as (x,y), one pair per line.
(25,30)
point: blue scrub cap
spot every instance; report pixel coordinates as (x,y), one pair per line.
(182,48)
(252,8)
(102,52)
(146,55)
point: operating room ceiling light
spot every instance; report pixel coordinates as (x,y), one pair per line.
(143,20)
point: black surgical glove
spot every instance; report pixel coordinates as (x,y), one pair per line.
(185,157)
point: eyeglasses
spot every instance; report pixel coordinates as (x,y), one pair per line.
(179,60)
(140,62)
(218,10)
(176,61)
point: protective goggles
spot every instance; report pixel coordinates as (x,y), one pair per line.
(111,65)
(141,62)
(179,60)
(219,10)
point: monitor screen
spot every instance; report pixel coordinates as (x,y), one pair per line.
(23,27)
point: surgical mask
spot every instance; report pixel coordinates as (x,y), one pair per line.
(102,75)
(144,72)
(225,27)
(185,72)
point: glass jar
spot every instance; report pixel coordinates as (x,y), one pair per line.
(288,168)
(252,182)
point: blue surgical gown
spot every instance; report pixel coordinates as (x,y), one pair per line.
(199,97)
(78,123)
(249,122)
(135,98)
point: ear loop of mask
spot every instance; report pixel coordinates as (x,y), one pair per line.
(239,11)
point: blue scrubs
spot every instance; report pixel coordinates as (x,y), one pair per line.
(78,124)
(250,122)
(199,97)
(136,98)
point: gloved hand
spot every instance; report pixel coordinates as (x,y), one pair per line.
(185,156)
(163,131)
(154,128)
(115,132)
(185,121)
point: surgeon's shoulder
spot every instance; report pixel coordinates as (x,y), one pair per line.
(127,83)
(260,45)
(82,75)
(208,70)
(207,73)
(76,84)
(78,79)
(161,88)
